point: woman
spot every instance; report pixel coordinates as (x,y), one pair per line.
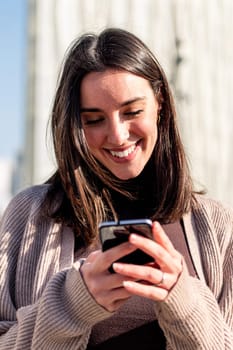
(119,156)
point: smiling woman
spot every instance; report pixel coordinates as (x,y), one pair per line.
(119,120)
(119,157)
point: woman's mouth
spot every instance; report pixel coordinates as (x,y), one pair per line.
(125,153)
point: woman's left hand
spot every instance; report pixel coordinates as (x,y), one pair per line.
(154,281)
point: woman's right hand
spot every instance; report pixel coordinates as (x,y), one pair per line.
(105,287)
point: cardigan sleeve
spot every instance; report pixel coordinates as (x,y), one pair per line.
(198,314)
(64,313)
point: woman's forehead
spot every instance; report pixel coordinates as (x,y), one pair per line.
(116,85)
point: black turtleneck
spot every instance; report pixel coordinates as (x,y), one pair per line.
(142,205)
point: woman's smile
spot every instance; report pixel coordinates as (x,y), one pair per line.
(124,154)
(119,114)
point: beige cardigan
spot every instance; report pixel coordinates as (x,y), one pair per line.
(45,305)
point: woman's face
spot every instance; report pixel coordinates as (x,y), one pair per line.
(119,113)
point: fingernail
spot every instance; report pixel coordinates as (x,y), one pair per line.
(156,224)
(117,267)
(133,237)
(127,284)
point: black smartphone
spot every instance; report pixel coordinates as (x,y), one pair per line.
(113,233)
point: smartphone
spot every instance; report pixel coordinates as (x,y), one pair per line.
(113,233)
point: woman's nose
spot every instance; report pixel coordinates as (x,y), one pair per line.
(118,132)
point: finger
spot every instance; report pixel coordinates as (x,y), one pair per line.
(138,272)
(152,248)
(114,254)
(167,262)
(100,283)
(103,260)
(108,291)
(115,281)
(161,237)
(146,275)
(110,298)
(103,291)
(163,240)
(152,292)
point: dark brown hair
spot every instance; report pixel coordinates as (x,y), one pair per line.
(81,184)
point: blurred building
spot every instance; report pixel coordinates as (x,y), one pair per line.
(11,170)
(193,42)
(6,171)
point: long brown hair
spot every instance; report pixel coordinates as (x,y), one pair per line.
(81,183)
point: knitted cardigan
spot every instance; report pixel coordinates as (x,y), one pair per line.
(45,305)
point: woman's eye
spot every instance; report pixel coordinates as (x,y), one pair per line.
(134,113)
(93,121)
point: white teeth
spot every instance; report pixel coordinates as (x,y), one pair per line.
(123,153)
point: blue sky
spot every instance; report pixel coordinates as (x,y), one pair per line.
(13,36)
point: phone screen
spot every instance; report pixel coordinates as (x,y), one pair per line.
(113,234)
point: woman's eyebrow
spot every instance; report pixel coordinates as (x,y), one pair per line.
(125,103)
(135,99)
